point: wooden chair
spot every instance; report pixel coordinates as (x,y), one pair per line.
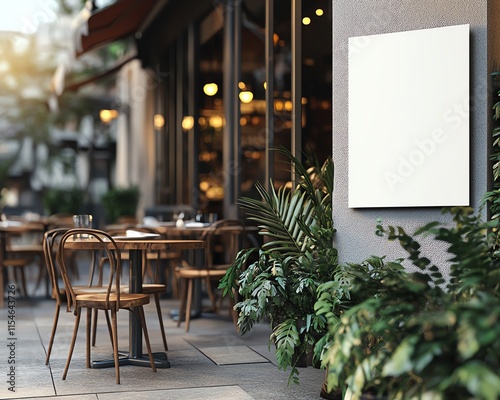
(58,292)
(17,254)
(112,300)
(223,239)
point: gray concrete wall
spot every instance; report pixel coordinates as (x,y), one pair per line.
(356,239)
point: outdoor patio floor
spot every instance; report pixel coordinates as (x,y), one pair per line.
(211,361)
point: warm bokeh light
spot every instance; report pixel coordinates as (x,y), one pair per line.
(187,122)
(216,122)
(242,85)
(306,20)
(246,96)
(204,185)
(265,85)
(210,89)
(158,121)
(107,116)
(319,12)
(276,38)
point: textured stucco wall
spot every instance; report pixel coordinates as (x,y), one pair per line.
(356,239)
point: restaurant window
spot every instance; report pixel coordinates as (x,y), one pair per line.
(316,97)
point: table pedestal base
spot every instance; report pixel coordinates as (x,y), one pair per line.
(161,361)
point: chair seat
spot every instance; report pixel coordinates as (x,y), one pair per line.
(149,288)
(192,273)
(25,248)
(15,262)
(98,300)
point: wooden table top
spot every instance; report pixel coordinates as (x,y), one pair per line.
(135,243)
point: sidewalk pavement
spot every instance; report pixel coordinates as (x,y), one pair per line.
(211,362)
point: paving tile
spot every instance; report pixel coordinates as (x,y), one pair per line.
(211,361)
(233,355)
(207,393)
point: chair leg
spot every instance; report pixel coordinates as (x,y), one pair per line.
(73,340)
(182,308)
(23,282)
(108,322)
(114,342)
(3,271)
(53,333)
(140,310)
(23,286)
(211,295)
(160,320)
(189,301)
(42,273)
(171,276)
(87,337)
(94,325)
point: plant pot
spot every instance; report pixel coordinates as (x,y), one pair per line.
(333,395)
(367,396)
(364,396)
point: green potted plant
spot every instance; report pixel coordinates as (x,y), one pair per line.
(63,201)
(277,281)
(412,335)
(120,202)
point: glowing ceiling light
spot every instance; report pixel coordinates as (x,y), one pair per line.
(216,122)
(246,96)
(158,121)
(210,89)
(187,123)
(306,20)
(107,116)
(319,12)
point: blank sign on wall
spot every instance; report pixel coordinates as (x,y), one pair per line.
(409,118)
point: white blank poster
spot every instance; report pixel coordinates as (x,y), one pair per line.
(409,118)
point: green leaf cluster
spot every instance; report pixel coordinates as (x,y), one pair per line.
(278,280)
(413,335)
(120,202)
(63,201)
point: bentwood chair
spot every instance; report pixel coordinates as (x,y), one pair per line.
(51,242)
(20,246)
(223,239)
(112,300)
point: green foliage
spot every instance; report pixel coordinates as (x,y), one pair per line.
(417,335)
(278,281)
(63,201)
(120,202)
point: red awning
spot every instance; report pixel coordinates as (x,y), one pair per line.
(121,19)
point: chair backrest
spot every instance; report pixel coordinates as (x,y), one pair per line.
(223,240)
(94,241)
(50,245)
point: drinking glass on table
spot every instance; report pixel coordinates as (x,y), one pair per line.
(82,221)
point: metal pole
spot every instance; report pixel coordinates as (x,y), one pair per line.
(296,81)
(269,44)
(230,98)
(179,154)
(236,168)
(192,104)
